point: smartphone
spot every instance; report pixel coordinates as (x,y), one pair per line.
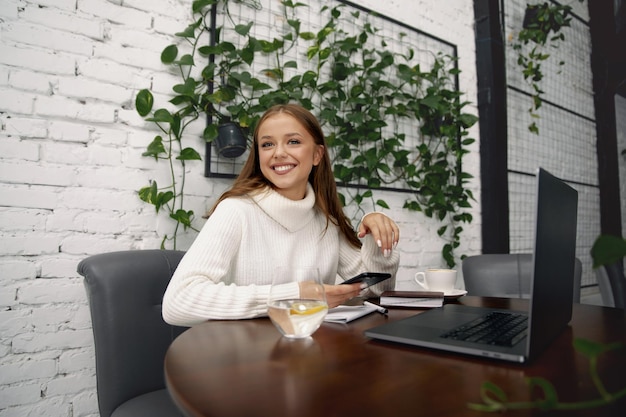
(369,278)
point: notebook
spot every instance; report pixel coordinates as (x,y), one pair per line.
(552,287)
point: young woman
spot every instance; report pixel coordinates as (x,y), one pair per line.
(283,210)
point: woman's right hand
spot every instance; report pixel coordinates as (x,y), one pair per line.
(339,294)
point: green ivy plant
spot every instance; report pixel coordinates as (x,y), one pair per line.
(496,400)
(543,24)
(361,92)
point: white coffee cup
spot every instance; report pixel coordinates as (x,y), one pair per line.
(434,279)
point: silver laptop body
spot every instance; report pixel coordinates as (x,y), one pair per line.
(552,286)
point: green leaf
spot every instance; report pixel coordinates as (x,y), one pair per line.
(210,133)
(608,249)
(169,54)
(243,30)
(550,397)
(189,154)
(382,203)
(185,60)
(491,393)
(182,216)
(144,102)
(155,148)
(148,194)
(307,36)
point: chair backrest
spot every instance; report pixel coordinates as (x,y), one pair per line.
(125,292)
(612,284)
(506,275)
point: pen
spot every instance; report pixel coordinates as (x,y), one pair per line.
(380,309)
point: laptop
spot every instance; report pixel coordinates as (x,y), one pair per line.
(550,304)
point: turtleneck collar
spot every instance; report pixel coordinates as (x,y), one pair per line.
(293,215)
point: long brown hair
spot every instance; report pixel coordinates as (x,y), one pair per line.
(321,178)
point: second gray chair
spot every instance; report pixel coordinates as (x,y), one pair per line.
(505,275)
(612,285)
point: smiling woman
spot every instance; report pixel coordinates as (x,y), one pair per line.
(287,154)
(282,211)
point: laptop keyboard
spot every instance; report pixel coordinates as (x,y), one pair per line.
(495,328)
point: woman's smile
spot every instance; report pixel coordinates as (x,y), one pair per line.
(287,154)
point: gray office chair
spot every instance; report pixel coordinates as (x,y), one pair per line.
(505,275)
(125,291)
(612,285)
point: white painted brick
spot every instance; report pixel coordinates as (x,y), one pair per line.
(106,70)
(12,323)
(125,179)
(22,371)
(94,244)
(82,316)
(103,223)
(32,81)
(22,220)
(66,20)
(85,404)
(64,153)
(69,131)
(48,318)
(58,267)
(12,395)
(116,14)
(48,407)
(28,196)
(8,296)
(168,7)
(15,101)
(46,38)
(65,220)
(74,109)
(168,25)
(13,148)
(135,57)
(80,155)
(69,5)
(29,245)
(139,38)
(17,269)
(104,136)
(46,291)
(82,88)
(4,76)
(77,360)
(36,59)
(60,340)
(57,175)
(8,9)
(24,127)
(90,199)
(71,384)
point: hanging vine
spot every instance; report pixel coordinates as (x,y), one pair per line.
(360,91)
(542,26)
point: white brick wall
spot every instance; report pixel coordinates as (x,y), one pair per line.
(70,162)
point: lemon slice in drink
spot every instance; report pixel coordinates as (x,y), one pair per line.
(303,309)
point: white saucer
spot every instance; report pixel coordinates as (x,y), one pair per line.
(454,293)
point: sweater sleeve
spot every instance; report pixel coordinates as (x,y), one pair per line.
(369,258)
(199,290)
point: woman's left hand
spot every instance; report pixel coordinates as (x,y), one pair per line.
(385,231)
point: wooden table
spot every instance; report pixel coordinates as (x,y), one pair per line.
(245,368)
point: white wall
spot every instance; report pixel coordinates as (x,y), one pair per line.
(70,165)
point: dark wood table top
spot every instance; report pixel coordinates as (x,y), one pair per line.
(245,368)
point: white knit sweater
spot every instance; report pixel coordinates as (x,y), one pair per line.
(227,272)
